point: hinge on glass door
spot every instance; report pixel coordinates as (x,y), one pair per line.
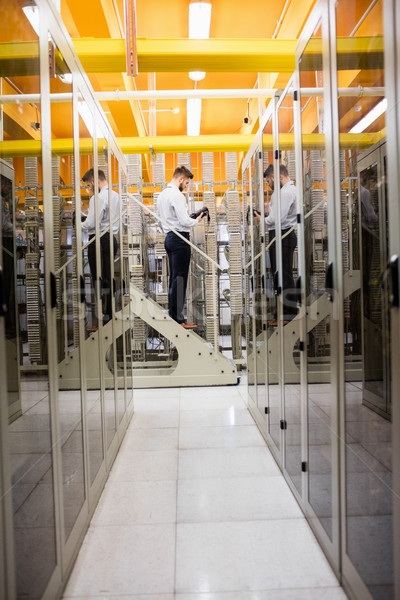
(259,155)
(295,95)
(304,466)
(299,218)
(266,410)
(283,424)
(301,346)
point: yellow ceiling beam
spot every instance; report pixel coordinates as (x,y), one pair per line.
(172,144)
(183,55)
(219,55)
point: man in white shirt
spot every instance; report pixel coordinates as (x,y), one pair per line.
(89,226)
(172,209)
(288,212)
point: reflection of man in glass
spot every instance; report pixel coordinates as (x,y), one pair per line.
(7,232)
(369,220)
(288,211)
(106,213)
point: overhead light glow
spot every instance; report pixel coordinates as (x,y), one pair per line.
(66,78)
(199,20)
(370,117)
(193,116)
(32,14)
(87,118)
(197,75)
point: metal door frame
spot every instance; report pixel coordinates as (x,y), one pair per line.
(391,20)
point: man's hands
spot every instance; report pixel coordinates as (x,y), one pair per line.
(203,212)
(256,214)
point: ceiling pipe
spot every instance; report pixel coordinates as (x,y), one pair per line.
(186,94)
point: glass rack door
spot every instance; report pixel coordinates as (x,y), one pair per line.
(319,244)
(289,324)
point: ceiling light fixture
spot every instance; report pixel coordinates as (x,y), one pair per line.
(32,14)
(193,116)
(199,29)
(197,75)
(199,20)
(370,117)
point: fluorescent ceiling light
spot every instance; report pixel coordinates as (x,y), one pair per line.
(175,110)
(199,20)
(87,117)
(32,14)
(370,117)
(199,29)
(193,116)
(197,75)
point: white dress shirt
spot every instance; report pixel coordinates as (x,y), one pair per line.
(288,207)
(172,209)
(104,213)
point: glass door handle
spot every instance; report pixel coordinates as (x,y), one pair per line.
(53,290)
(3,304)
(329,281)
(298,289)
(394,281)
(82,295)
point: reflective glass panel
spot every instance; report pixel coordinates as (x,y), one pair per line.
(365,211)
(91,308)
(30,438)
(271,287)
(318,305)
(289,323)
(69,310)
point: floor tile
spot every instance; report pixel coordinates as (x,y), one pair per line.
(145,466)
(125,560)
(108,596)
(235,499)
(155,419)
(209,401)
(137,502)
(256,555)
(220,437)
(222,462)
(334,593)
(144,440)
(216,418)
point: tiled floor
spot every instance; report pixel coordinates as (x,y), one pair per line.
(195,508)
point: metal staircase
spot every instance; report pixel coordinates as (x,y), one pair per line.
(198,363)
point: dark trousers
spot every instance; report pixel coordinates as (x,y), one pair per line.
(179,259)
(289,244)
(105,257)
